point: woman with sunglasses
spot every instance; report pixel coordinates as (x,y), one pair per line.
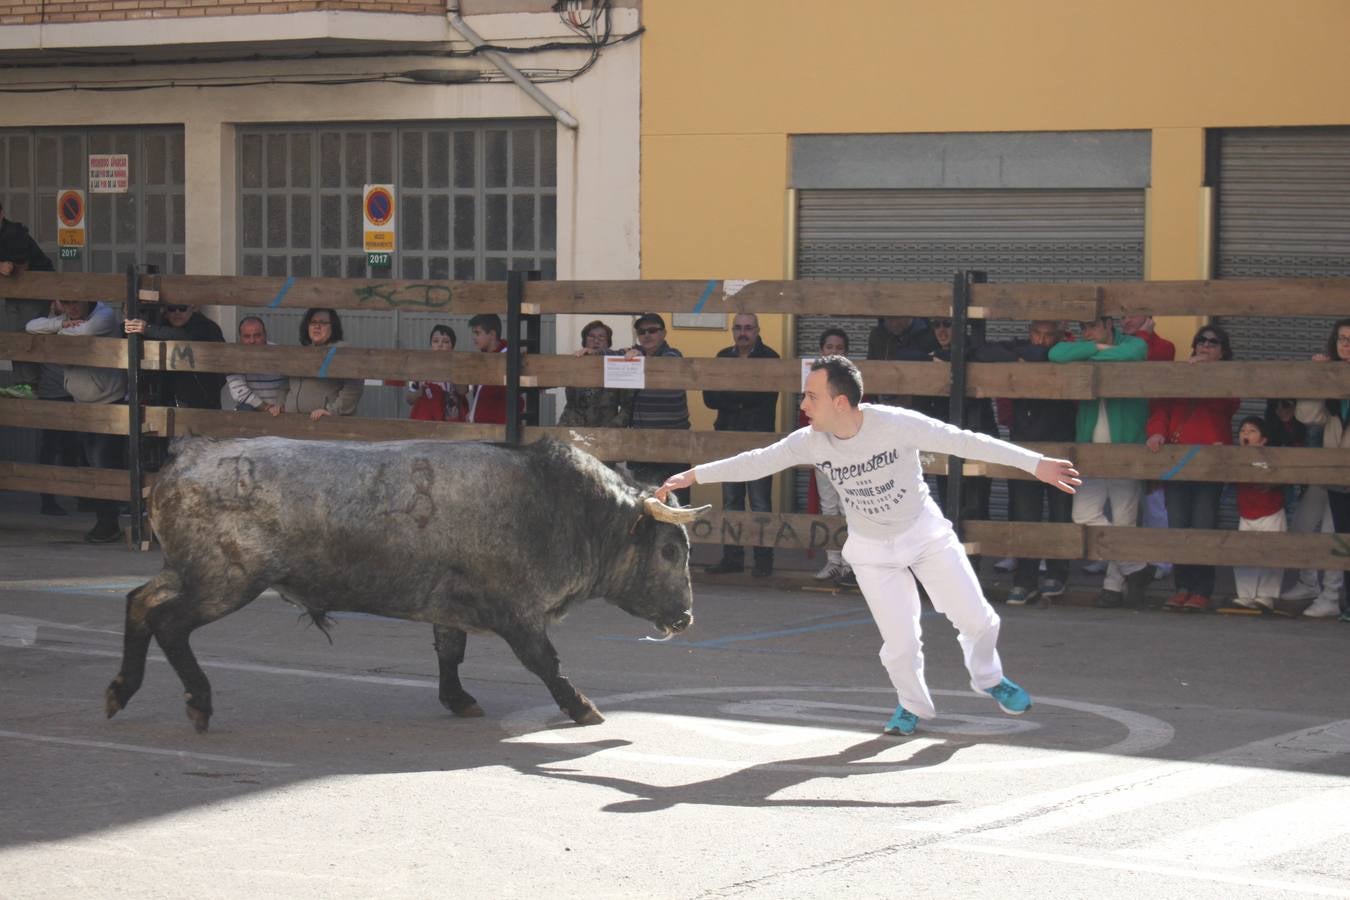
(322,396)
(1194,504)
(188,389)
(1334,416)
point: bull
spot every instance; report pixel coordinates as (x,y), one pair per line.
(465,536)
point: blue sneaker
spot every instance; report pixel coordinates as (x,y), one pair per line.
(902,721)
(1010,697)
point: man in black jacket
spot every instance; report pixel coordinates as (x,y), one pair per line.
(745,411)
(1036,420)
(20,253)
(185,387)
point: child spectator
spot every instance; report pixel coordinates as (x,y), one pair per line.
(437,401)
(1261,508)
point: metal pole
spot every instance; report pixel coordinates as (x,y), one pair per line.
(515,295)
(533,343)
(134,412)
(956,410)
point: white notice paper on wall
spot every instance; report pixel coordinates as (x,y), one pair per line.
(806,370)
(626,374)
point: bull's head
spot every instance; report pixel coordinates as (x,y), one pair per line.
(659,589)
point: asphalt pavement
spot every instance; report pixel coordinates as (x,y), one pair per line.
(1166,755)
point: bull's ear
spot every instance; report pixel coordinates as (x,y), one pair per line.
(674,515)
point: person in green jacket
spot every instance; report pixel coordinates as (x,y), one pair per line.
(1117,420)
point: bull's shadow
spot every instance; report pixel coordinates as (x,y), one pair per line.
(754,786)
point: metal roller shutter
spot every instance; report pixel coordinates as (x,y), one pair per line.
(928,235)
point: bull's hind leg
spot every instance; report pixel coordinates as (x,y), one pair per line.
(163,588)
(533,648)
(450,652)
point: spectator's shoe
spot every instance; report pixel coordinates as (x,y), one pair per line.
(1136,587)
(1251,603)
(725,568)
(1265,604)
(1345,616)
(1177,601)
(1109,599)
(902,721)
(1006,564)
(1096,567)
(1323,608)
(1196,603)
(50,507)
(848,580)
(1161,571)
(17,392)
(832,571)
(1010,697)
(1020,596)
(1300,591)
(1052,588)
(763,568)
(1290,609)
(101,535)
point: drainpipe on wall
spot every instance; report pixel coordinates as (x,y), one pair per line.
(507,69)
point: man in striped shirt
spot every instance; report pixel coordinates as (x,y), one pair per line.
(656,408)
(256,393)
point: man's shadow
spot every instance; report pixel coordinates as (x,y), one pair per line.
(754,785)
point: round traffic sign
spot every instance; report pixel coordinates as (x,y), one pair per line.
(70,208)
(379,206)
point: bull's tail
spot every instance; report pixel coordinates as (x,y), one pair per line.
(321,620)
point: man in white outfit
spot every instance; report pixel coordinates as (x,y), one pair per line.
(896,532)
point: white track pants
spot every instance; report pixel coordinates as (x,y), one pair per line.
(1089,508)
(1259,583)
(886,571)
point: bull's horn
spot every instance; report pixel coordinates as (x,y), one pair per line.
(674,515)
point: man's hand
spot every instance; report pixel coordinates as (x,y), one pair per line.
(1058,473)
(134,326)
(319,413)
(6,269)
(1155,442)
(676,482)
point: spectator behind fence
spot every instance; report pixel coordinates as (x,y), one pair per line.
(745,411)
(652,408)
(1333,415)
(1119,420)
(437,401)
(87,384)
(19,253)
(184,387)
(487,402)
(979,418)
(1029,500)
(252,392)
(833,342)
(317,395)
(1194,504)
(597,407)
(1153,506)
(56,447)
(1260,508)
(891,337)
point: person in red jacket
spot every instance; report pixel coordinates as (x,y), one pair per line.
(487,402)
(1194,504)
(1260,508)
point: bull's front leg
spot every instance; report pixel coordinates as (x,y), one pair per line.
(533,648)
(450,644)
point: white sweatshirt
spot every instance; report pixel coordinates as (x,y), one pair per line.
(877,471)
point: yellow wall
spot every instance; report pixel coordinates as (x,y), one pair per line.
(726,82)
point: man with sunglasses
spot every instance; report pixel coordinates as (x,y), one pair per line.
(656,408)
(184,388)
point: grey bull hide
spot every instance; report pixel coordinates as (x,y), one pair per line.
(465,536)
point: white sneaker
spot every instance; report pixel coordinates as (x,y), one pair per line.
(1254,603)
(1323,608)
(1006,564)
(1300,591)
(1266,603)
(833,570)
(1096,567)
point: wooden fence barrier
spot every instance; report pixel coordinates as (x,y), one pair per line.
(1077,381)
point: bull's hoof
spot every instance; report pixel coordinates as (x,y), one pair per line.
(199,716)
(589,716)
(472,711)
(113,701)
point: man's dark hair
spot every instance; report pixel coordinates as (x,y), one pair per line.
(834,332)
(843,377)
(335,334)
(591,326)
(251,319)
(445,330)
(487,322)
(647,318)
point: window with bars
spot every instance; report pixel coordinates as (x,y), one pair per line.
(472,201)
(145,224)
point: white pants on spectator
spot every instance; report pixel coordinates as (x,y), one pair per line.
(1263,584)
(829,506)
(886,569)
(1313,514)
(1089,508)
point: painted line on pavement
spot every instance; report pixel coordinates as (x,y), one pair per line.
(137,748)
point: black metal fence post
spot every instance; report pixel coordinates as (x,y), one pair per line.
(517,345)
(956,410)
(135,416)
